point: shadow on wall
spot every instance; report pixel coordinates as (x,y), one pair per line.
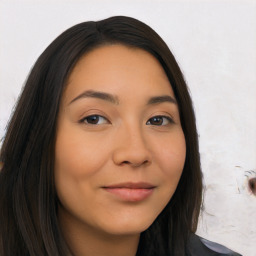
(251,180)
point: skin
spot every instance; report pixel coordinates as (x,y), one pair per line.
(121,141)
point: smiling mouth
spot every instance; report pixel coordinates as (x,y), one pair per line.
(131,192)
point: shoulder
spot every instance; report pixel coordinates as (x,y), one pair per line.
(198,246)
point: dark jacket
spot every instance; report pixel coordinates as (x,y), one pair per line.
(199,246)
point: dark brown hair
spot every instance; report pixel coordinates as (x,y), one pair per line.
(28,201)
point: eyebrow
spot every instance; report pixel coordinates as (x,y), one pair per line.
(96,94)
(161,99)
(114,99)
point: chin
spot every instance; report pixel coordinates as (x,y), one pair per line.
(127,226)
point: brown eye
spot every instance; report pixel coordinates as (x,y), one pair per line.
(159,120)
(94,119)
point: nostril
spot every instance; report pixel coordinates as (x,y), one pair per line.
(252,185)
(135,164)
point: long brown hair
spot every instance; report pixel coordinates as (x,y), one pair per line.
(28,201)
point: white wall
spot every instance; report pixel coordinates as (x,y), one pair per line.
(215,44)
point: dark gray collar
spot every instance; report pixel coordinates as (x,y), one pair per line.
(198,246)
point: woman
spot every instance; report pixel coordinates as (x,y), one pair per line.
(101,155)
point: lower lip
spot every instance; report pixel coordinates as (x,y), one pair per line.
(131,194)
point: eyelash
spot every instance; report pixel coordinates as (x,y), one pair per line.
(99,117)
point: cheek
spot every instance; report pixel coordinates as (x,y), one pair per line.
(78,161)
(69,169)
(171,159)
(79,155)
(172,155)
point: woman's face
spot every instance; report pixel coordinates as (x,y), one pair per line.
(120,148)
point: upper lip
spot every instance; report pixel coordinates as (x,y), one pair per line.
(132,185)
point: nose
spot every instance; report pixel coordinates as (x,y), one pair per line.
(131,148)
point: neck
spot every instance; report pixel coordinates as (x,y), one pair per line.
(84,240)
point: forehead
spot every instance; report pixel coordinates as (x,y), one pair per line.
(111,68)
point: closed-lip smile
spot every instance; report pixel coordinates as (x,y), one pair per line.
(131,191)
